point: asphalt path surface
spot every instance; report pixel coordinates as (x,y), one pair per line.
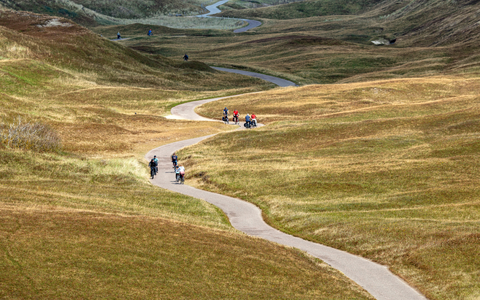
(278,81)
(213,9)
(246,217)
(251,24)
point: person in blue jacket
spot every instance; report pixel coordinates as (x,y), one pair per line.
(155,159)
(247,121)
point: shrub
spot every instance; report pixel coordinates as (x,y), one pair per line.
(29,136)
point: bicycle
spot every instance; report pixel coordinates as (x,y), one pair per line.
(225,119)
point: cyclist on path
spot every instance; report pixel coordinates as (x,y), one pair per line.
(152,166)
(156,161)
(247,121)
(235,115)
(254,120)
(174,159)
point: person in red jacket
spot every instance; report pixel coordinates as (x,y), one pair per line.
(254,119)
(235,116)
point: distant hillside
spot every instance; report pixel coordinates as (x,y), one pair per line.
(88,12)
(419,23)
(62,43)
(435,23)
(305,9)
(131,9)
(65,9)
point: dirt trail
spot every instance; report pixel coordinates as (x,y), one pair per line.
(246,217)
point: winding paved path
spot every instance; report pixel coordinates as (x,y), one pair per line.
(278,81)
(246,217)
(213,9)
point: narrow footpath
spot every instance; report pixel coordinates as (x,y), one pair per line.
(213,9)
(246,217)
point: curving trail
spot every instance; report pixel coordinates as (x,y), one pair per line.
(251,24)
(278,81)
(213,9)
(246,217)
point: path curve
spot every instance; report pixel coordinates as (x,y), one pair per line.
(186,111)
(278,81)
(213,9)
(246,217)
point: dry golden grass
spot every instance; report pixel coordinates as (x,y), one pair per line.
(65,254)
(389,97)
(305,57)
(432,38)
(93,118)
(85,222)
(385,169)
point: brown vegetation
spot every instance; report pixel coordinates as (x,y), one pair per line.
(85,222)
(29,136)
(66,254)
(384,169)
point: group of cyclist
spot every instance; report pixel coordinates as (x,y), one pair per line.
(250,120)
(179,170)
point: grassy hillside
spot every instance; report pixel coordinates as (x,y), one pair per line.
(78,49)
(339,49)
(84,228)
(93,13)
(414,23)
(304,9)
(69,254)
(309,57)
(424,23)
(129,9)
(383,169)
(65,9)
(81,220)
(99,95)
(81,10)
